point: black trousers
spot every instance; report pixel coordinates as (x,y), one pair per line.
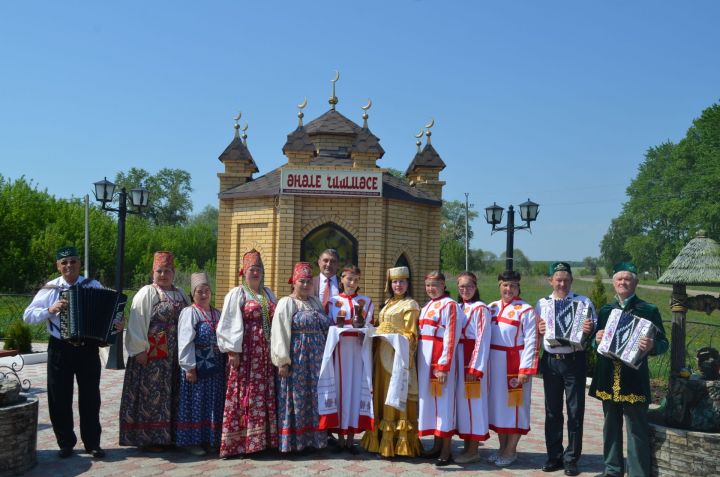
(66,363)
(564,377)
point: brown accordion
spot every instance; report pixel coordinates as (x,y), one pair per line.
(91,314)
(621,339)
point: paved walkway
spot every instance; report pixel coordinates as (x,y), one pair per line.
(130,462)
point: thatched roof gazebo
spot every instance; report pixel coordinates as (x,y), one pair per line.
(679,446)
(698,263)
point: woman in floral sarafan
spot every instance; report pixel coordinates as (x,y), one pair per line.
(149,399)
(299,330)
(250,423)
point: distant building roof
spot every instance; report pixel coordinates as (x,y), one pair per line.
(237,151)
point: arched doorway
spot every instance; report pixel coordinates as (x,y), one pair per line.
(326,236)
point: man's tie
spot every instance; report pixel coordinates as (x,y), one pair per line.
(326,293)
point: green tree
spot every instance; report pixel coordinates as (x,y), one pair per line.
(590,264)
(169,189)
(397,173)
(452,235)
(673,196)
(598,294)
(482,261)
(520,262)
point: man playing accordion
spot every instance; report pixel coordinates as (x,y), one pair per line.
(563,366)
(624,391)
(68,361)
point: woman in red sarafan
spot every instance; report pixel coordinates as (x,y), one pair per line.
(250,418)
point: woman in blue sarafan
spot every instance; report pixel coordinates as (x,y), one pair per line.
(202,381)
(297,344)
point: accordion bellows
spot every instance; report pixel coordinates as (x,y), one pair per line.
(621,339)
(567,333)
(91,314)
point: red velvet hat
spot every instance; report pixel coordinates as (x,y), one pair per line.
(251,259)
(301,270)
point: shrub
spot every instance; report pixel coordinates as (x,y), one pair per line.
(18,336)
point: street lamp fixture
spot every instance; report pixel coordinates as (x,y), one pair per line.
(105,193)
(493,216)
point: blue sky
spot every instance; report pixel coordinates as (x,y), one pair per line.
(555,101)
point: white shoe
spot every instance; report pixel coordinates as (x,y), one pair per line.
(505,461)
(467,458)
(493,457)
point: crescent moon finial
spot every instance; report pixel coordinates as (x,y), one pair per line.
(431,123)
(237,125)
(367,106)
(303,104)
(244,134)
(333,99)
(420,134)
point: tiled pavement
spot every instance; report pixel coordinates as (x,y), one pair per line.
(127,461)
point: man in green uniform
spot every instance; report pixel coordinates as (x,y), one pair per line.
(623,390)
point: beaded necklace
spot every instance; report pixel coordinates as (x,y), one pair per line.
(210,320)
(264,308)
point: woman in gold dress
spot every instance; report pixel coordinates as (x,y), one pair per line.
(395,432)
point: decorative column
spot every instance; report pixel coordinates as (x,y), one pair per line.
(678,307)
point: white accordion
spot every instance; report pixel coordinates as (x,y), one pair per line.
(621,339)
(569,333)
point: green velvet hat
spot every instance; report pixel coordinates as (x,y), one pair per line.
(64,252)
(625,267)
(559,267)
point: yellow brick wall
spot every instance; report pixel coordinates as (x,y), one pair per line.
(384,229)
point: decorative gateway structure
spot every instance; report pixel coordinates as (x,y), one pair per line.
(330,194)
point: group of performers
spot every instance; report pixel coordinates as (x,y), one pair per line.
(266,373)
(286,374)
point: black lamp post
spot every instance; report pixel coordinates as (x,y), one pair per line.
(493,215)
(104,193)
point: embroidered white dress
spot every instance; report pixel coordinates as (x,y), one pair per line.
(514,349)
(473,351)
(349,367)
(440,323)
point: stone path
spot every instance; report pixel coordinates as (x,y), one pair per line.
(130,462)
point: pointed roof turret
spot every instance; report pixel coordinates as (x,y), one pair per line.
(237,150)
(367,142)
(299,141)
(332,123)
(428,157)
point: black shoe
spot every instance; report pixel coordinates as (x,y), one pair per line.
(552,465)
(431,454)
(331,441)
(96,453)
(444,462)
(352,450)
(65,452)
(571,468)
